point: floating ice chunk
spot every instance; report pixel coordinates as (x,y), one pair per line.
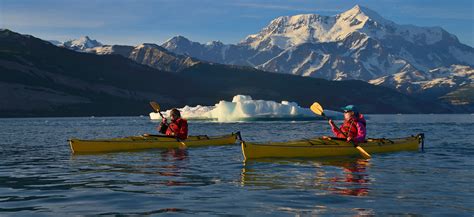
(244,108)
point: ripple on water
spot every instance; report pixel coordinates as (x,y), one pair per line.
(39,176)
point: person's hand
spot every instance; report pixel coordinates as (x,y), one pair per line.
(349,139)
(331,122)
(326,138)
(164,120)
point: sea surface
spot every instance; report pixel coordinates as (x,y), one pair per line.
(40,177)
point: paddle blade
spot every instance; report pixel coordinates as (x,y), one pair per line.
(155,106)
(363,152)
(317,109)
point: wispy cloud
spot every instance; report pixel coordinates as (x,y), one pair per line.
(47,21)
(251,16)
(69,14)
(439,13)
(286,7)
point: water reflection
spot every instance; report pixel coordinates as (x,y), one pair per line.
(174,154)
(150,172)
(172,170)
(354,180)
(343,176)
(165,167)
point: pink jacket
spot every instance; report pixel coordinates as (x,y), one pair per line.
(355,128)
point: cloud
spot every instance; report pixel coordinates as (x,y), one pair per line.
(251,16)
(438,13)
(286,7)
(69,14)
(47,20)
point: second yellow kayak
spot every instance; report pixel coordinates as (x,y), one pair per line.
(318,147)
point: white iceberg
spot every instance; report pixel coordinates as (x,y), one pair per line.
(244,108)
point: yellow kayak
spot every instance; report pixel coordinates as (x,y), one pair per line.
(132,143)
(318,147)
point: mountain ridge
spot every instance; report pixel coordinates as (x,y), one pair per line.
(40,79)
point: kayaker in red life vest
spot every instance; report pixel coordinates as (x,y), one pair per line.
(177,128)
(353,127)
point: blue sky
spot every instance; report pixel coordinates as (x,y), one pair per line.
(154,21)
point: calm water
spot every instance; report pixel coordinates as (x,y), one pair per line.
(39,176)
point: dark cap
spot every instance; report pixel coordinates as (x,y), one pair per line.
(349,108)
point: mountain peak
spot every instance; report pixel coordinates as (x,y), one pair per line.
(178,39)
(151,46)
(214,43)
(359,9)
(82,43)
(361,13)
(84,39)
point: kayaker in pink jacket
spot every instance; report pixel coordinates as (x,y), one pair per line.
(353,127)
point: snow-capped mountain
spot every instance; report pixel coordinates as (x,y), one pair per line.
(356,44)
(148,54)
(81,44)
(442,79)
(290,31)
(220,53)
(212,51)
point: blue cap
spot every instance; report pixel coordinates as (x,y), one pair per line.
(349,108)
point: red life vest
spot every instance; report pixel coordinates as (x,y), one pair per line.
(178,128)
(349,128)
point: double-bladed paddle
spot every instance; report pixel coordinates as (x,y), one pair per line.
(157,108)
(318,109)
